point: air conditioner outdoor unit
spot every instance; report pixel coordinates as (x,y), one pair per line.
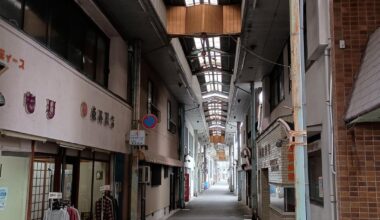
(144,174)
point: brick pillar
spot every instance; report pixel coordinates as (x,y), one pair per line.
(357,148)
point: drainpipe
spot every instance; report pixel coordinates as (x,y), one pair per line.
(253,150)
(205,168)
(238,163)
(196,177)
(182,158)
(330,134)
(299,113)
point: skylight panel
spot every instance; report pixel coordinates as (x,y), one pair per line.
(198,43)
(189,2)
(207,78)
(211,42)
(219,78)
(217,39)
(219,87)
(213,2)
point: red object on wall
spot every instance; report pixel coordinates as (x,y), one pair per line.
(187,187)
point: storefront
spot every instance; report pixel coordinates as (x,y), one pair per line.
(59,132)
(276,192)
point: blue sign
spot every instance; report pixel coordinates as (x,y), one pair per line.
(149,121)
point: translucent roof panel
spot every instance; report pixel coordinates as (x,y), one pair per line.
(192,2)
(198,43)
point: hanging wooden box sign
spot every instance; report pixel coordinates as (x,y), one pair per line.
(217,139)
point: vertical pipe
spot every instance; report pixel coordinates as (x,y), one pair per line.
(204,167)
(134,160)
(182,158)
(298,97)
(196,177)
(238,163)
(230,166)
(253,149)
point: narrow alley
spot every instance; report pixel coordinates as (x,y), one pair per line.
(190,109)
(216,203)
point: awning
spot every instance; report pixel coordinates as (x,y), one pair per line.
(158,159)
(365,100)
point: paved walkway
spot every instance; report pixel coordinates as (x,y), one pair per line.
(216,203)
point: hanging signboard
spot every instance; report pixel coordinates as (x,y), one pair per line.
(149,121)
(137,137)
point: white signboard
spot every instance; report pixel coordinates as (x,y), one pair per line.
(137,137)
(55,195)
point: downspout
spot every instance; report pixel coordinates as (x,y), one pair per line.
(330,134)
(181,157)
(238,163)
(253,153)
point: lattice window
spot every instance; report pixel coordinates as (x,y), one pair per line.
(43,176)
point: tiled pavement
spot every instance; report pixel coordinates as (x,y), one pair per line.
(216,203)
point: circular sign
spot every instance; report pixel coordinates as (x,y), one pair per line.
(83,109)
(149,121)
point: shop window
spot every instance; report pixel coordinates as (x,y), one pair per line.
(152,100)
(102,70)
(169,114)
(156,174)
(282,198)
(277,91)
(14,181)
(315,177)
(75,38)
(11,10)
(36,19)
(58,31)
(85,183)
(93,175)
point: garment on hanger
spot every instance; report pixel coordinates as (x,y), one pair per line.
(104,208)
(73,213)
(60,214)
(61,210)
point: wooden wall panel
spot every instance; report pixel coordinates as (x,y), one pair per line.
(176,20)
(231,19)
(209,19)
(213,19)
(195,19)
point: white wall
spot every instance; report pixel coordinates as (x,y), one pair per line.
(118,64)
(315,93)
(15,179)
(48,77)
(158,196)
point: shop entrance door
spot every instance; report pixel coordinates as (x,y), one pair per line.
(172,192)
(69,179)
